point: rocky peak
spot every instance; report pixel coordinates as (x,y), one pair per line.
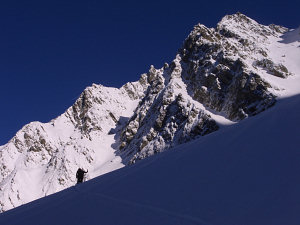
(240,26)
(221,64)
(236,19)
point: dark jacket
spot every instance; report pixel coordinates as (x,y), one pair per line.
(80,174)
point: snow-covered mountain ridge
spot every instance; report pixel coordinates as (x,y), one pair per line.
(247,173)
(41,158)
(219,76)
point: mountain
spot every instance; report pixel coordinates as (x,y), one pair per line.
(219,77)
(246,173)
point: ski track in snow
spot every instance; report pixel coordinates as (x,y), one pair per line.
(187,218)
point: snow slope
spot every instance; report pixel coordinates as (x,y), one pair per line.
(246,173)
(286,50)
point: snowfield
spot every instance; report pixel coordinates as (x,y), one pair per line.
(286,50)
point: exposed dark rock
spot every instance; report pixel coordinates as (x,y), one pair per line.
(277,70)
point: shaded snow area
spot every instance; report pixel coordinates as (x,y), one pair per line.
(246,173)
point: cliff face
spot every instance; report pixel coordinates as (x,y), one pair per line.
(219,76)
(217,70)
(166,116)
(222,65)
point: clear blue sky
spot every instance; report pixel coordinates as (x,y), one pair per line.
(51,50)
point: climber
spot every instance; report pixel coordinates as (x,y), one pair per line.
(79,175)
